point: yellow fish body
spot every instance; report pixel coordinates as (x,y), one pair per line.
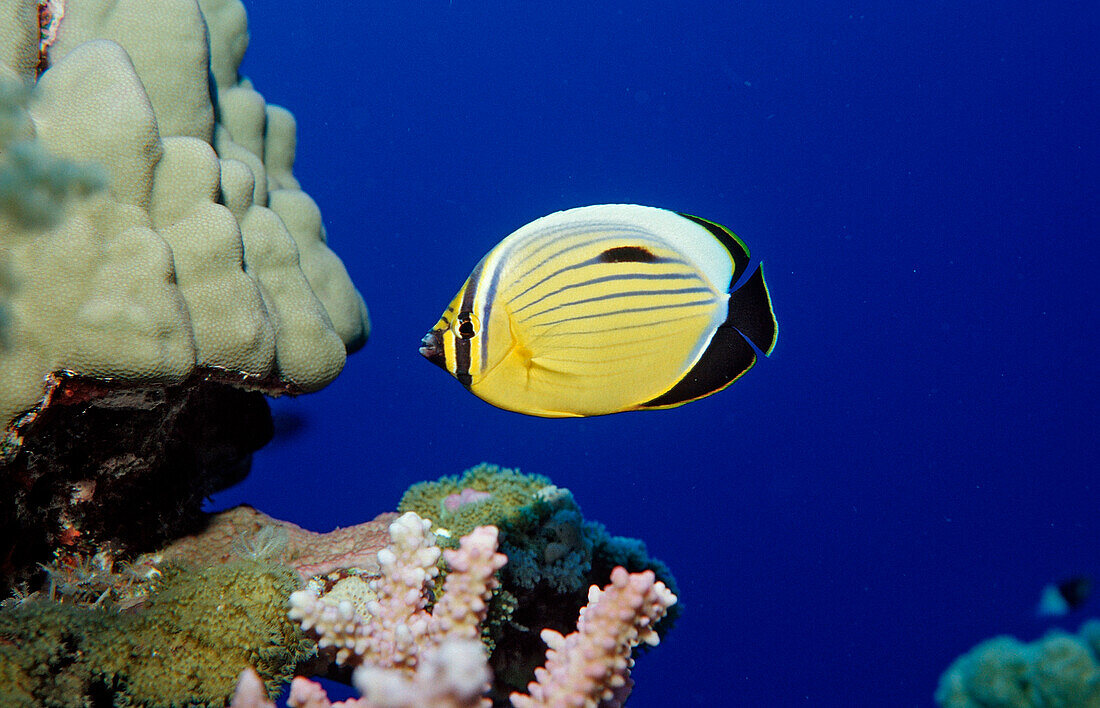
(603,309)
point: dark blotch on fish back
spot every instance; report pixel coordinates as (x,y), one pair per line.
(628,254)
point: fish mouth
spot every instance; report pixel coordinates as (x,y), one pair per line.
(431,348)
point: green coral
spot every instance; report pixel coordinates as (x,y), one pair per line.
(185,646)
(542,530)
(512,493)
(1061,669)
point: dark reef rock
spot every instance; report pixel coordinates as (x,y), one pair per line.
(103,467)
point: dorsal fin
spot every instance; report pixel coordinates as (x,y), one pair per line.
(729,240)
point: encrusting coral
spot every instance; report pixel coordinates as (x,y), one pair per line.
(179,644)
(407,656)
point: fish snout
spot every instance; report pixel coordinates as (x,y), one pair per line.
(431,348)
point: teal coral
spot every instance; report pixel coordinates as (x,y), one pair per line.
(542,531)
(184,647)
(1061,669)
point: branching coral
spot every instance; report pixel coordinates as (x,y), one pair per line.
(408,656)
(391,642)
(554,556)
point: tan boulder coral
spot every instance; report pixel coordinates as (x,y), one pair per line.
(202,254)
(160,269)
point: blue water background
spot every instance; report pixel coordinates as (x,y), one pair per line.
(919,456)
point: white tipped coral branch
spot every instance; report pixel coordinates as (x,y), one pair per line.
(409,658)
(592,663)
(452,674)
(399,628)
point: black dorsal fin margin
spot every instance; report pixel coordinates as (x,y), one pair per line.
(737,250)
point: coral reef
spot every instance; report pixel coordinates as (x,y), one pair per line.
(1061,669)
(160,272)
(158,262)
(91,633)
(245,531)
(72,489)
(554,556)
(181,644)
(592,665)
(407,656)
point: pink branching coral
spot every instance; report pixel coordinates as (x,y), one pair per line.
(407,656)
(593,663)
(401,644)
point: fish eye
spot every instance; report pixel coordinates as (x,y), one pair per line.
(466,325)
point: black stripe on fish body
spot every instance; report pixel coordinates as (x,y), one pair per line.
(639,294)
(628,311)
(737,250)
(685,275)
(462,346)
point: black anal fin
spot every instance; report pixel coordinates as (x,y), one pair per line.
(750,311)
(725,359)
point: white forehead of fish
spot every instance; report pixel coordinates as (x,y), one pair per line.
(698,246)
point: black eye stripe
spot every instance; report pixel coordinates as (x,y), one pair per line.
(465,326)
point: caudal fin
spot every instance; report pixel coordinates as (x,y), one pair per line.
(750,312)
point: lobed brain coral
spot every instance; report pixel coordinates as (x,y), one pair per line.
(201,253)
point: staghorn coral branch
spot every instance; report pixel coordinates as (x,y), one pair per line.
(590,664)
(409,658)
(468,587)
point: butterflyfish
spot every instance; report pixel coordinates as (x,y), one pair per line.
(607,308)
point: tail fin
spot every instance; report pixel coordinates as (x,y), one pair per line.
(750,312)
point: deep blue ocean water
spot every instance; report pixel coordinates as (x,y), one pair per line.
(919,455)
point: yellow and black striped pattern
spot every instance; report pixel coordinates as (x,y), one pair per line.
(597,310)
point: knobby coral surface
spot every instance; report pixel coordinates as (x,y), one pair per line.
(202,252)
(1060,669)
